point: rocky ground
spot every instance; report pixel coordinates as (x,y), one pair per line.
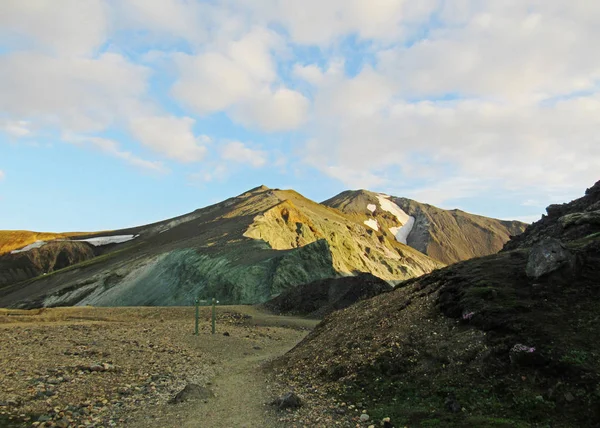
(103,367)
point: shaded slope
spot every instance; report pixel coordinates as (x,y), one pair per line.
(445,235)
(320,298)
(243,250)
(476,344)
(53,256)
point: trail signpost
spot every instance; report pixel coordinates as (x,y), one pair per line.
(197,317)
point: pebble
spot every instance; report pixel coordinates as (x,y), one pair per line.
(364,417)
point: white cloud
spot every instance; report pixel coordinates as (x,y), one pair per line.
(2,175)
(75,93)
(112,148)
(516,50)
(68,27)
(16,128)
(165,18)
(238,152)
(271,111)
(171,136)
(506,61)
(311,73)
(214,172)
(239,78)
(323,22)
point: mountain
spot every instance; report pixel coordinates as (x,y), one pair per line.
(506,340)
(449,236)
(245,249)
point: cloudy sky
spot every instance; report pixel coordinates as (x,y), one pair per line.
(121,112)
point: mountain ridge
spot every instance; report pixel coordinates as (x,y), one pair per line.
(244,249)
(449,236)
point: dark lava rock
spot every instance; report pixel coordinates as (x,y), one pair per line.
(192,392)
(547,256)
(452,404)
(288,401)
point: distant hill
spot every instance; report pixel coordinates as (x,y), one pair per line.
(449,236)
(245,249)
(488,342)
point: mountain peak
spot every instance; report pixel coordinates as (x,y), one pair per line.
(262,187)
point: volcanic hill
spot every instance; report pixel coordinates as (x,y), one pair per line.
(449,236)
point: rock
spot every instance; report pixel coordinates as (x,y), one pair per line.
(387,423)
(526,356)
(452,404)
(63,423)
(576,219)
(547,256)
(226,334)
(288,401)
(192,392)
(364,417)
(569,397)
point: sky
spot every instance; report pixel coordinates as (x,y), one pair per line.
(115,113)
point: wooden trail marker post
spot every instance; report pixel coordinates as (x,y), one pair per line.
(197,318)
(214,315)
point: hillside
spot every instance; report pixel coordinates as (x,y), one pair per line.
(447,236)
(319,298)
(245,249)
(507,340)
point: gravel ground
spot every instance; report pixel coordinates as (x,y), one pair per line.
(103,367)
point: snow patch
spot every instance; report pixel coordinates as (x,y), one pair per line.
(372,207)
(105,240)
(372,223)
(36,244)
(400,233)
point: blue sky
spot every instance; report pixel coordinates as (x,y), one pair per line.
(120,113)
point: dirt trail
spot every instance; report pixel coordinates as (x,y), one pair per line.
(241,388)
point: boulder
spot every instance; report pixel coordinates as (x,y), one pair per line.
(192,392)
(287,401)
(547,256)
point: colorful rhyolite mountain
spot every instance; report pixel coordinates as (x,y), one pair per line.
(245,249)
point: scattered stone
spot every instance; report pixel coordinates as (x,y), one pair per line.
(452,404)
(387,423)
(226,334)
(364,417)
(569,397)
(192,392)
(288,401)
